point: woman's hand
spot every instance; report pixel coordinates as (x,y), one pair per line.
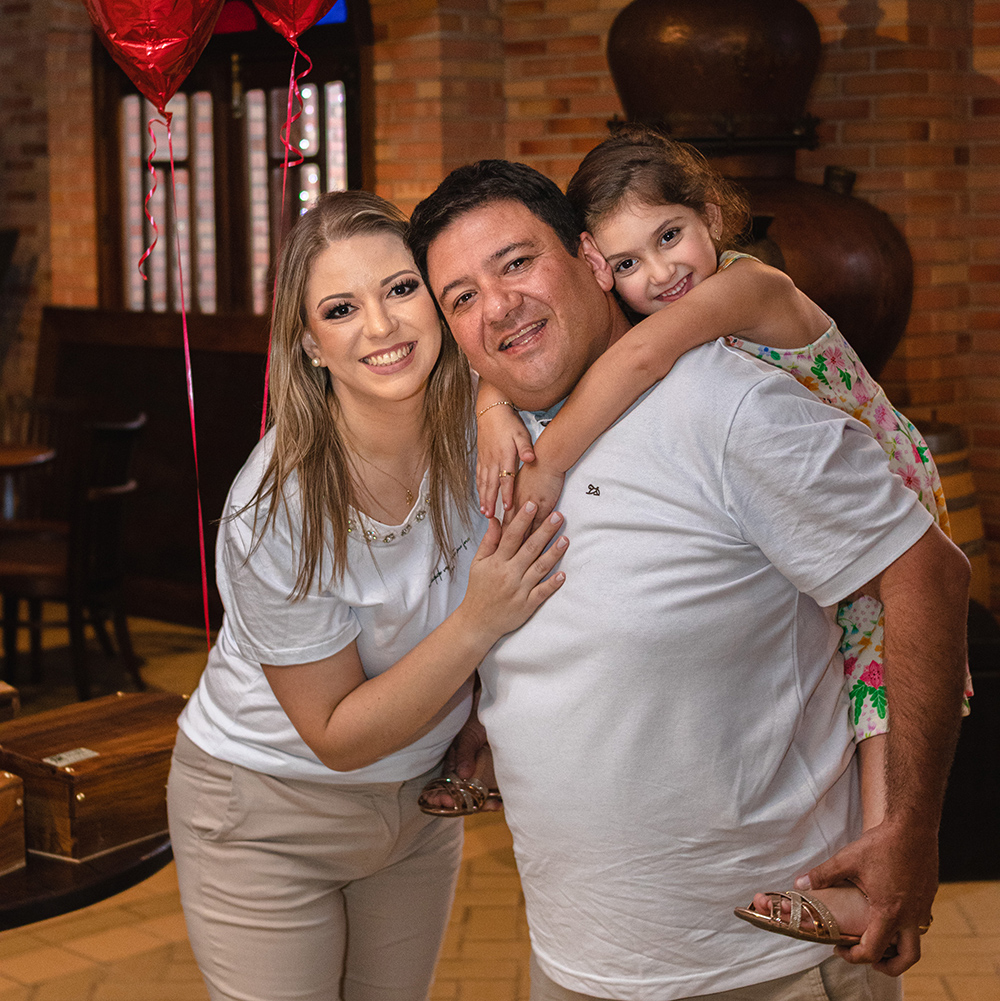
(510,574)
(350,720)
(503,440)
(541,485)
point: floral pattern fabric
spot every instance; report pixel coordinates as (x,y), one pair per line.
(830,368)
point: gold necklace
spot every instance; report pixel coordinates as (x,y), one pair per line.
(409,493)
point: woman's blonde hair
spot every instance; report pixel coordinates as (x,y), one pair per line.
(302,404)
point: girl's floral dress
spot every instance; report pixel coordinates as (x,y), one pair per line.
(831,370)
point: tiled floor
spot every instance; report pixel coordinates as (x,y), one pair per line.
(134,947)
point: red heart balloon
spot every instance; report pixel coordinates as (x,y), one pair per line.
(156,42)
(291,17)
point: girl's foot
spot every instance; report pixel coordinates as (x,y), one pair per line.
(847,904)
(455,797)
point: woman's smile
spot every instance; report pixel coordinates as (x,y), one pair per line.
(387,359)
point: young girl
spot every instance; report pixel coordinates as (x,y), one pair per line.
(660,215)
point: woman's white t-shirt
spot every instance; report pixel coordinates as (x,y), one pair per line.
(396,589)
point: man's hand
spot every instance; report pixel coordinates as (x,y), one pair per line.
(925,596)
(897,870)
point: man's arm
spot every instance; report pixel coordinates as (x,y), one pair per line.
(925,594)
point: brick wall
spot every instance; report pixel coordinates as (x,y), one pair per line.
(439,102)
(73,218)
(24,166)
(559,93)
(894,104)
(981,418)
(46,171)
(909,95)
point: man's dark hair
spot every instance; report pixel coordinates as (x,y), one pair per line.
(477,184)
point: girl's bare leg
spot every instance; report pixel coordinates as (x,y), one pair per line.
(484,772)
(871,757)
(847,903)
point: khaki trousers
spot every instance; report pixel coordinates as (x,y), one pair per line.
(307,891)
(832,980)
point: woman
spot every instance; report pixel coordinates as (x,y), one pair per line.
(342,669)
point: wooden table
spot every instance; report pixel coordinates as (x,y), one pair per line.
(48,887)
(13,459)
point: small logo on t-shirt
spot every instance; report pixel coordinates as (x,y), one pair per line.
(593,491)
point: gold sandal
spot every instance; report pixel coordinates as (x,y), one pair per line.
(824,925)
(468,796)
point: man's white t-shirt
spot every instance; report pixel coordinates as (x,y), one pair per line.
(395,591)
(670,729)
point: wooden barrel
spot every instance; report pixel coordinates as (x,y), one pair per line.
(952,459)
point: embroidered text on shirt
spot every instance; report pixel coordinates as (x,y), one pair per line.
(449,568)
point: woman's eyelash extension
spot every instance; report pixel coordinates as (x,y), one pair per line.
(333,312)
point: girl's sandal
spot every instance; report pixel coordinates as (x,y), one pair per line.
(824,925)
(467,796)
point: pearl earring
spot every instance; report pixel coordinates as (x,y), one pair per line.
(316,362)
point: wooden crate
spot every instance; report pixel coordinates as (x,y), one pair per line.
(95,773)
(10,702)
(12,853)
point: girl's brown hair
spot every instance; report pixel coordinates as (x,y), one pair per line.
(302,405)
(637,163)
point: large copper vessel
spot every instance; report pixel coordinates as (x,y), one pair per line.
(732,77)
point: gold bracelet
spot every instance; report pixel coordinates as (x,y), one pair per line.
(499,403)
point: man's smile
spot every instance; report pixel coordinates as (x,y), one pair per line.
(522,336)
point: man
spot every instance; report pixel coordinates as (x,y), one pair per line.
(669,731)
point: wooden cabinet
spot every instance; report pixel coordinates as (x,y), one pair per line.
(135,361)
(94,773)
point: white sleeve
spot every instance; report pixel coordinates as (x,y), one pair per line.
(256,585)
(811,488)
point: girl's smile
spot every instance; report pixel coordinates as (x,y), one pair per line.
(676,291)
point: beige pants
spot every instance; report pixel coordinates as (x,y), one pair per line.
(306,891)
(832,980)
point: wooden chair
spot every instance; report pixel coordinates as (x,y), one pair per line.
(75,558)
(43,492)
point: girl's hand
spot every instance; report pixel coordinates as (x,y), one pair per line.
(502,441)
(509,578)
(540,484)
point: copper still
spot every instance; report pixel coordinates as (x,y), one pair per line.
(732,77)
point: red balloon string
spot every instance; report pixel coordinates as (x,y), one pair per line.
(168,115)
(290,119)
(190,394)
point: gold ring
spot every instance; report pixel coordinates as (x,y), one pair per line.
(506,472)
(923,929)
